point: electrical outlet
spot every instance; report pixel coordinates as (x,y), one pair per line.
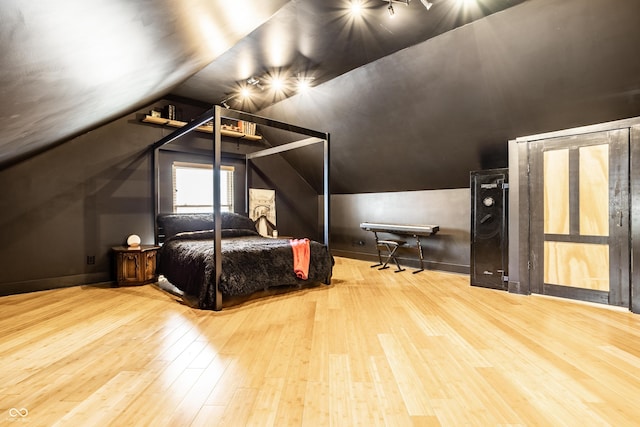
(91,259)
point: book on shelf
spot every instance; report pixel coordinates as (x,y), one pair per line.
(240,126)
(248,128)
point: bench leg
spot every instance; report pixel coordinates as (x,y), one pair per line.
(392,256)
(398,269)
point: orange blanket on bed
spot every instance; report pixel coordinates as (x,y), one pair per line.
(301,257)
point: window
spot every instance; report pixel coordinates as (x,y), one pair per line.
(193,187)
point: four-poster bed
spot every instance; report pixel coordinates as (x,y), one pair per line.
(218,235)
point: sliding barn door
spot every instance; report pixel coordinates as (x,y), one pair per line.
(579,193)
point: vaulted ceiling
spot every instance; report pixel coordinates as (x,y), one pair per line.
(69,66)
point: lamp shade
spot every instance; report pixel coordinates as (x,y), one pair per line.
(133,240)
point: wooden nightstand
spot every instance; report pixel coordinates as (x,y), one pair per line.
(135,266)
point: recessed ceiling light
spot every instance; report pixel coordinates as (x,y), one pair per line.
(277,84)
(303,82)
(303,85)
(356,7)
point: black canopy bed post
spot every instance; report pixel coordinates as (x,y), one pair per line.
(327,191)
(217,207)
(155,170)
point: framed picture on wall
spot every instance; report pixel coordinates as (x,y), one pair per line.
(262,210)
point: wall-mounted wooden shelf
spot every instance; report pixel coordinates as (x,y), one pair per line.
(208,129)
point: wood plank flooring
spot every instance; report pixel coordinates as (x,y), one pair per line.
(373,349)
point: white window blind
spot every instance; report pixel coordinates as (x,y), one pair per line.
(193,187)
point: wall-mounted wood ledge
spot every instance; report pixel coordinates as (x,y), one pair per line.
(208,129)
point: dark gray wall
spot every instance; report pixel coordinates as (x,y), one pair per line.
(449,209)
(74,201)
(83,197)
(297,203)
(424,117)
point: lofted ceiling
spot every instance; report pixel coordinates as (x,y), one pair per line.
(70,66)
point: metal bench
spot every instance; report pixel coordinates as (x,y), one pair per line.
(391,246)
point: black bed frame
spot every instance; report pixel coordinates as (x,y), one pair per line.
(216,114)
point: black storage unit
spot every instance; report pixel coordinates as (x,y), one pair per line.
(489,228)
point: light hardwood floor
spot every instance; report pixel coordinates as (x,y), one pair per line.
(374,348)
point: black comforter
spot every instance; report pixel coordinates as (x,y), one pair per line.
(250,263)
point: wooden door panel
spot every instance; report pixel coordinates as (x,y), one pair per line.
(556,191)
(580,265)
(594,190)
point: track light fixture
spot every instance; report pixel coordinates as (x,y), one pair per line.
(426,3)
(253,81)
(274,85)
(404,2)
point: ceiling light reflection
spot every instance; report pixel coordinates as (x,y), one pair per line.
(212,36)
(244,16)
(278,47)
(246,64)
(427,4)
(468,9)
